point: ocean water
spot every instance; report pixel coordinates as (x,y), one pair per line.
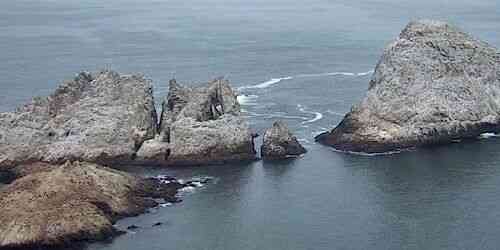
(305,62)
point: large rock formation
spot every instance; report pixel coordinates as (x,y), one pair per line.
(106,118)
(102,117)
(434,84)
(62,204)
(111,119)
(279,143)
(199,125)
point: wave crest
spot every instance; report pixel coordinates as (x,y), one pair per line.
(274,81)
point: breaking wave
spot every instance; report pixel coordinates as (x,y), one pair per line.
(488,135)
(273,81)
(266,84)
(247,100)
(276,115)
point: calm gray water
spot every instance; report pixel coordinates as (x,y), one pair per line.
(437,198)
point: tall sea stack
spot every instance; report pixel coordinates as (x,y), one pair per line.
(433,85)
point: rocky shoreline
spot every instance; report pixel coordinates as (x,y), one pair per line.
(61,205)
(279,143)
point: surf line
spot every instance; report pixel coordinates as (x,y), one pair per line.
(273,81)
(317,115)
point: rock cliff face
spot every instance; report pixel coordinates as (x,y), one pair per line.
(61,205)
(433,85)
(102,117)
(279,143)
(200,125)
(111,119)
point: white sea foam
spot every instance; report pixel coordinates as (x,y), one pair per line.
(328,74)
(488,135)
(276,115)
(247,100)
(335,113)
(187,189)
(168,204)
(316,133)
(366,73)
(197,184)
(317,115)
(273,81)
(303,140)
(266,84)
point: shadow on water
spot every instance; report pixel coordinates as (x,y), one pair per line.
(277,168)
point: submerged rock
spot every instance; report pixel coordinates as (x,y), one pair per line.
(101,117)
(435,84)
(200,125)
(279,143)
(69,203)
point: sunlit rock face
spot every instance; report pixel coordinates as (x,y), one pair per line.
(432,85)
(200,125)
(97,117)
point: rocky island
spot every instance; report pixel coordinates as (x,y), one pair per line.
(111,119)
(280,143)
(52,150)
(433,85)
(199,125)
(58,206)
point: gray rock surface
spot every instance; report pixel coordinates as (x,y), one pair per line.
(433,84)
(111,119)
(279,143)
(97,117)
(200,125)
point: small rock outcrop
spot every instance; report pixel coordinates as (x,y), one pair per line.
(101,117)
(200,125)
(433,85)
(279,143)
(72,202)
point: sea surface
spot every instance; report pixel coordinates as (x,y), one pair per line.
(304,62)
